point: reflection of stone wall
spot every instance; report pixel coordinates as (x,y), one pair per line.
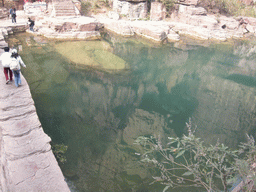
(226,111)
(109,107)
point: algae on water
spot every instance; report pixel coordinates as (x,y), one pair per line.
(91,53)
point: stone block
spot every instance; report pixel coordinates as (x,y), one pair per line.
(122,28)
(197,32)
(157,11)
(113,15)
(131,9)
(88,27)
(38,172)
(35,141)
(250,28)
(229,22)
(3,44)
(192,10)
(188,2)
(172,36)
(247,2)
(20,125)
(150,32)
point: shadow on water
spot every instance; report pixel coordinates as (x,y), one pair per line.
(228,61)
(243,79)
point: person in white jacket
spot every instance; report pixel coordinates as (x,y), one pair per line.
(6,60)
(15,66)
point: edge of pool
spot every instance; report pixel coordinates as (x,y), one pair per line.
(26,160)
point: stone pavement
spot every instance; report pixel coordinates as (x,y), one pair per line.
(21,20)
(27,162)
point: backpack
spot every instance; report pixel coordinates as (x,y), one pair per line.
(15,65)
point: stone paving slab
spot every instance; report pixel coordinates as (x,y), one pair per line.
(36,173)
(26,145)
(21,125)
(21,20)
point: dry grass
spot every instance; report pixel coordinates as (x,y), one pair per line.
(229,7)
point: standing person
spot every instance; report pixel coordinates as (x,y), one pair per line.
(11,10)
(13,15)
(31,24)
(15,66)
(6,61)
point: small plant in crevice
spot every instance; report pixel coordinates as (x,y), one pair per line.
(85,7)
(188,162)
(59,151)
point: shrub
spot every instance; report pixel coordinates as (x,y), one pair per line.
(228,7)
(59,151)
(169,4)
(187,161)
(85,7)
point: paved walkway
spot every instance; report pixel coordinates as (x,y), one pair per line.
(21,20)
(27,162)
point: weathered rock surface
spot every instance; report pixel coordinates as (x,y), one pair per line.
(4,13)
(187,19)
(188,2)
(27,162)
(69,28)
(133,9)
(157,11)
(96,54)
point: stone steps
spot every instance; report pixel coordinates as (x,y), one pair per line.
(64,8)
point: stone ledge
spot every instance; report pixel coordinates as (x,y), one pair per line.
(27,162)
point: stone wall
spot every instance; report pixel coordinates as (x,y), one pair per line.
(157,11)
(133,10)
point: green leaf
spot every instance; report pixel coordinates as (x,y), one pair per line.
(171,142)
(180,153)
(167,187)
(187,173)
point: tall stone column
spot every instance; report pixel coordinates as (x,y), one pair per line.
(157,11)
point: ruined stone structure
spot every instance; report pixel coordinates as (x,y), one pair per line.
(157,11)
(133,9)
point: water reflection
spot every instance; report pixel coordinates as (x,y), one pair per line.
(98,113)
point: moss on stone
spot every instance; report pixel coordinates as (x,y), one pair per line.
(90,53)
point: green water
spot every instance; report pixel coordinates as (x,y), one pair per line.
(98,109)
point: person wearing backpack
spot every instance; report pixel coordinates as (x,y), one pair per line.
(6,60)
(13,14)
(15,66)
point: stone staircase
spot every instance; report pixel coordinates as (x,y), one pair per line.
(64,8)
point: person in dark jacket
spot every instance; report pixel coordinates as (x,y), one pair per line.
(31,24)
(13,14)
